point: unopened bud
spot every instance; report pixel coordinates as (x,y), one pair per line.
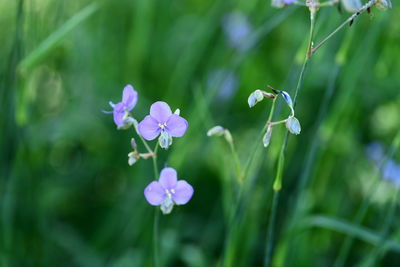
(293,125)
(267,136)
(216,131)
(351,5)
(384,4)
(255,97)
(177,111)
(133,157)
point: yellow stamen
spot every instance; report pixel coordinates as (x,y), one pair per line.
(162,126)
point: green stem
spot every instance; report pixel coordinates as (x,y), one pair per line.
(156,214)
(236,160)
(248,183)
(156,261)
(362,211)
(277,185)
(271,229)
(380,249)
(143,141)
(155,168)
(349,20)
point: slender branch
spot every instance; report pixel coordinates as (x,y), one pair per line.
(349,20)
(143,141)
(281,161)
(239,172)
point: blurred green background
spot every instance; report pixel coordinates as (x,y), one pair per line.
(68,196)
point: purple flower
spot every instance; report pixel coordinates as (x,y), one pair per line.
(168,191)
(162,122)
(121,109)
(391,173)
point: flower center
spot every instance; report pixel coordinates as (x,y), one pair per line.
(162,126)
(169,192)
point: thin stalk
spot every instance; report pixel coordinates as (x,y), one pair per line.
(381,248)
(349,20)
(362,211)
(156,221)
(156,261)
(155,168)
(236,160)
(271,229)
(277,185)
(236,208)
(144,142)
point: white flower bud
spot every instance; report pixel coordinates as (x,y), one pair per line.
(255,97)
(132,158)
(293,125)
(384,4)
(216,131)
(177,111)
(351,5)
(267,136)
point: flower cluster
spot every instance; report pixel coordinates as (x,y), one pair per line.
(168,191)
(292,123)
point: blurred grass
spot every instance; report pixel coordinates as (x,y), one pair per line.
(67,194)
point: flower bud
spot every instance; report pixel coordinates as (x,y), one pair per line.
(351,5)
(267,136)
(216,131)
(255,97)
(133,157)
(287,98)
(384,4)
(177,111)
(165,140)
(293,125)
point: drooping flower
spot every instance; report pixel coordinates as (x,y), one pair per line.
(121,109)
(163,122)
(168,191)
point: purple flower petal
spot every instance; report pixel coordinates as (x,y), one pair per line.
(176,126)
(155,193)
(160,111)
(118,114)
(168,178)
(148,128)
(183,193)
(129,97)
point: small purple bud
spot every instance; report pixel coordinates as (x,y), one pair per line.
(287,98)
